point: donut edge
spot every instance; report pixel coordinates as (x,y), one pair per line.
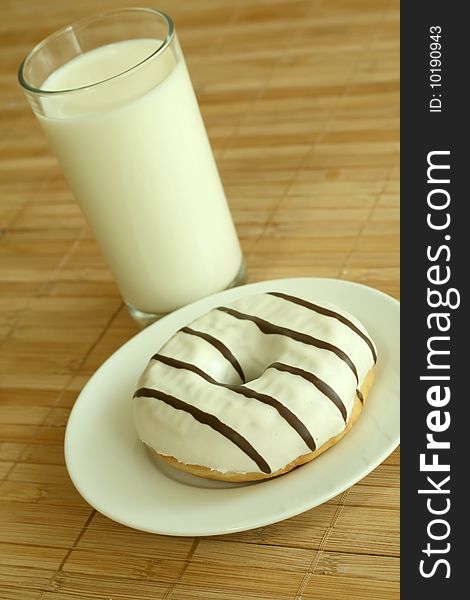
(234,477)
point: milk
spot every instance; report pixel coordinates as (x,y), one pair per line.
(136,155)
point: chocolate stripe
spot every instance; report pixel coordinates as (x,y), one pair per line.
(179,364)
(317,382)
(285,413)
(328,313)
(360,396)
(270,328)
(210,420)
(222,348)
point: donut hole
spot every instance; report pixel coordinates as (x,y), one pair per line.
(270,349)
(256,371)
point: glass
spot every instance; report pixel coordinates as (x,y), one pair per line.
(114,98)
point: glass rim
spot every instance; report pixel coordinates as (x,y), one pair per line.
(85,21)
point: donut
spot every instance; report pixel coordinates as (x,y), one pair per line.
(255,388)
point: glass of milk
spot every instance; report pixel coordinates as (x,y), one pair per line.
(114,98)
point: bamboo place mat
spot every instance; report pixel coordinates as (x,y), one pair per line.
(300,98)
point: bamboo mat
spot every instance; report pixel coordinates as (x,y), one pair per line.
(300,99)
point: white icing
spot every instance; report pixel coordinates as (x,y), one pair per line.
(176,433)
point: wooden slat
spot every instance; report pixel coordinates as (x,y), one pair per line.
(57,526)
(345,588)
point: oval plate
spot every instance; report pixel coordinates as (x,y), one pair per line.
(111,469)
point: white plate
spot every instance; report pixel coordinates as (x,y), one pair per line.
(114,473)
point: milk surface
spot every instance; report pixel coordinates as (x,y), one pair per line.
(136,155)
